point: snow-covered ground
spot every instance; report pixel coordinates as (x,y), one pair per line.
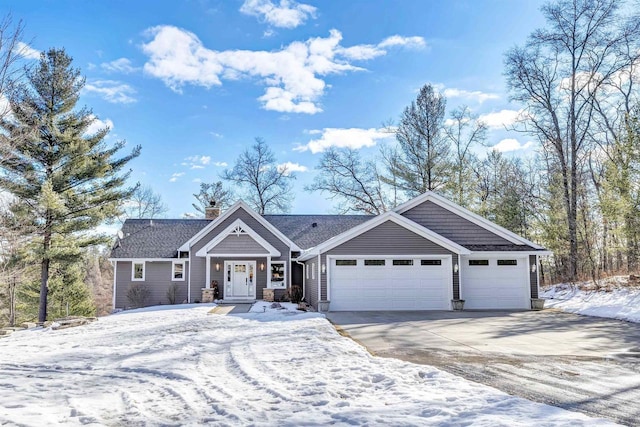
(613,298)
(180,365)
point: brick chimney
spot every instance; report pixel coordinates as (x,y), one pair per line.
(211,211)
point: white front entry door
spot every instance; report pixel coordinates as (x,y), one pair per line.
(240,279)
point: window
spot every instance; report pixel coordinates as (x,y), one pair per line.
(346,262)
(402,262)
(313,270)
(478,262)
(177,271)
(137,271)
(430,262)
(278,275)
(307,266)
(507,262)
(373,262)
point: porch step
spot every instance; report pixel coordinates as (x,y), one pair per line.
(228,308)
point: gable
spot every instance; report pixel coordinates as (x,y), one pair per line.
(452,226)
(389,238)
(247,219)
(238,244)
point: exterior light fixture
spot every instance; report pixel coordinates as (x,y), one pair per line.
(262,266)
(533,268)
(323,268)
(217,266)
(456,268)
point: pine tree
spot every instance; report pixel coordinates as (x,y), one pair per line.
(66,181)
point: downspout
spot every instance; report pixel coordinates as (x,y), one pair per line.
(304,285)
(115,270)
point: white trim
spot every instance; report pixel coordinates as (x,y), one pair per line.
(286,276)
(378,220)
(538,274)
(133,270)
(517,254)
(189,281)
(144,259)
(466,214)
(115,275)
(319,282)
(173,270)
(219,220)
(231,230)
(207,283)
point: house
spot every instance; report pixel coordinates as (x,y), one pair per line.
(423,255)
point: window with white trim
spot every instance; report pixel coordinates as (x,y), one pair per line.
(278,274)
(346,262)
(177,271)
(137,271)
(313,270)
(307,267)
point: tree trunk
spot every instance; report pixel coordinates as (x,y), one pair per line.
(44,275)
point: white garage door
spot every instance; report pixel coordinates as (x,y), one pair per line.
(384,283)
(495,283)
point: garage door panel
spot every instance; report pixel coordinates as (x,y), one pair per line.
(495,286)
(390,287)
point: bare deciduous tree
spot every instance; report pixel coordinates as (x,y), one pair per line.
(144,203)
(212,192)
(464,131)
(267,186)
(559,75)
(355,183)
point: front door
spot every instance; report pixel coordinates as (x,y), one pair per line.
(240,279)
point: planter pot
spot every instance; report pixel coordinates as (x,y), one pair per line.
(457,304)
(323,306)
(537,303)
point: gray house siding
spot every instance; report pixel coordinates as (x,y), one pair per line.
(533,276)
(198,264)
(311,282)
(238,244)
(388,238)
(452,226)
(157,280)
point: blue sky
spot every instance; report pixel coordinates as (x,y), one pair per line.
(195,81)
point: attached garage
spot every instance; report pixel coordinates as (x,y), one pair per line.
(490,282)
(390,283)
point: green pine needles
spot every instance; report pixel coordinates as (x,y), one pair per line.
(65,182)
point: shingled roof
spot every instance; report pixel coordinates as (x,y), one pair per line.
(157,238)
(300,229)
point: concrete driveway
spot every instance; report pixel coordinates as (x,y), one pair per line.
(585,364)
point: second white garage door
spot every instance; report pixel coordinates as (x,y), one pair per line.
(495,283)
(390,283)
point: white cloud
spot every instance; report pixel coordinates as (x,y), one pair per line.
(196,180)
(27,51)
(175,176)
(396,40)
(98,125)
(205,160)
(511,144)
(216,134)
(294,76)
(354,138)
(500,119)
(112,91)
(121,65)
(286,14)
(292,167)
(476,95)
(220,164)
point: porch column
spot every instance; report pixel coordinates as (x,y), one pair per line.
(208,277)
(269,272)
